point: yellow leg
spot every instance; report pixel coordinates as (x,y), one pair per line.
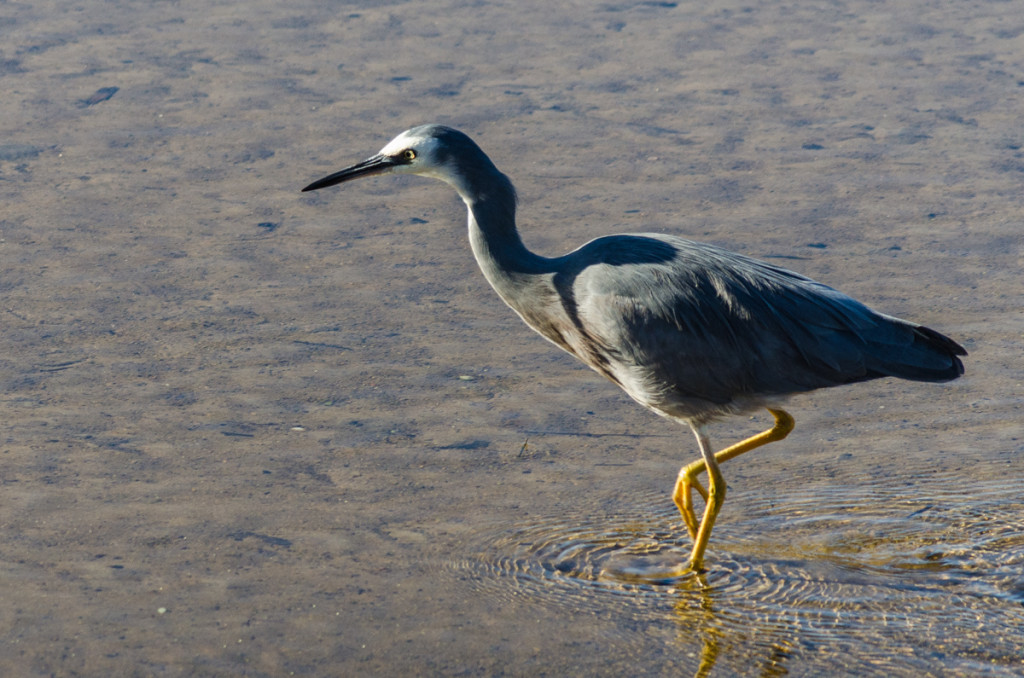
(715,499)
(687,481)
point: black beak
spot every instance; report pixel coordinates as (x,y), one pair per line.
(375,165)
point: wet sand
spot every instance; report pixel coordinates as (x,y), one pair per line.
(249,431)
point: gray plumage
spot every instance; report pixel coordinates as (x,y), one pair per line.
(716,329)
(689,330)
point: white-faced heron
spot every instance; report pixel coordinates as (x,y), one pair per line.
(691,331)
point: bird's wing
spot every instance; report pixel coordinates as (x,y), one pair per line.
(715,325)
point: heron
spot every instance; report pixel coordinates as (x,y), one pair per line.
(691,331)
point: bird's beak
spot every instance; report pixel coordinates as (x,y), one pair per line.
(378,164)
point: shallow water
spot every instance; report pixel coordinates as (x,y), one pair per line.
(857,580)
(249,431)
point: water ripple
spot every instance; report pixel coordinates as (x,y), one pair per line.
(864,579)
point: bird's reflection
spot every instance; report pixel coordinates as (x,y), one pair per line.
(699,619)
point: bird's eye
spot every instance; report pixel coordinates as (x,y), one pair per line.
(409,154)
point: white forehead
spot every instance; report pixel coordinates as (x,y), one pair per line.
(410,139)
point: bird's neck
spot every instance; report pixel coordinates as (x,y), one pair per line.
(510,268)
(524,280)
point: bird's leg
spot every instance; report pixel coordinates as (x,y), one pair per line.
(715,497)
(687,481)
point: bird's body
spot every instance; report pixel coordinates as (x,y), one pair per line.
(689,330)
(693,331)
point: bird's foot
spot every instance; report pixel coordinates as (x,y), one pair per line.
(683,495)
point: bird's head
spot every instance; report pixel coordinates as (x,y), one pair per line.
(428,150)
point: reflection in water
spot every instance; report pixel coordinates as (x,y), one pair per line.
(854,580)
(698,619)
